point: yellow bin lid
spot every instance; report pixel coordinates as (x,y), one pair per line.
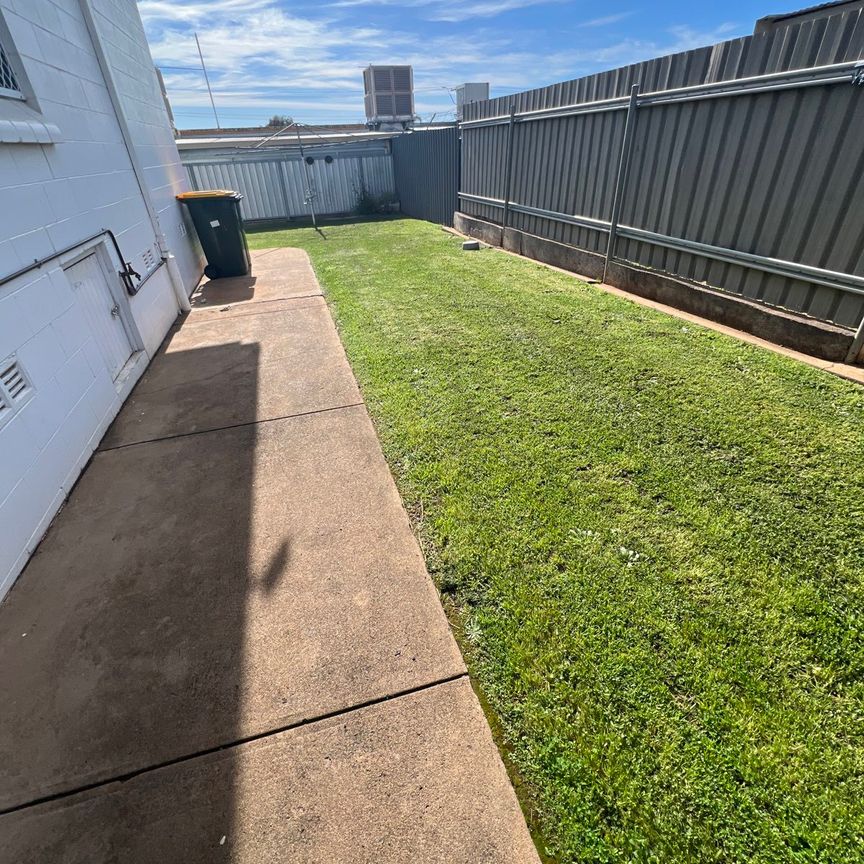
(206,193)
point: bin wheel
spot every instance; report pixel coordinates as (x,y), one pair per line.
(211,272)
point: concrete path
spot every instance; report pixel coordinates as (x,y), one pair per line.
(227,647)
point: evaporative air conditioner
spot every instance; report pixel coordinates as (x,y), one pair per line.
(389,96)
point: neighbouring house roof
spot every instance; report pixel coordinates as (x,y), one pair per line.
(307,139)
(198,139)
(264,131)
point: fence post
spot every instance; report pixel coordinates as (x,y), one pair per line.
(623,170)
(857,346)
(508,177)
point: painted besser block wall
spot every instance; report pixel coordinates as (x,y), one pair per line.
(57,194)
(135,77)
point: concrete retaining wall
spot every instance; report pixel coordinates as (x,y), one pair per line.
(817,338)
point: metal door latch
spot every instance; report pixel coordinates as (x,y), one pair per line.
(115,311)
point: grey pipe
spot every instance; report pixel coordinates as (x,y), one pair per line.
(180,294)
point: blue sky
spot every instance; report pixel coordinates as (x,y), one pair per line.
(305,58)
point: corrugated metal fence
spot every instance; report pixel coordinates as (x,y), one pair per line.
(426,166)
(755,186)
(278,184)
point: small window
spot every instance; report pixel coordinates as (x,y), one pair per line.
(21,120)
(8,82)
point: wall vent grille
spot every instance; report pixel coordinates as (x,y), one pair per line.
(15,388)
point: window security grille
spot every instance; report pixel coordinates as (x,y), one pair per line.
(8,81)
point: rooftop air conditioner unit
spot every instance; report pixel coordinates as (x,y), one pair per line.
(474,92)
(389,96)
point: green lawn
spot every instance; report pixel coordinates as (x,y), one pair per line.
(649,538)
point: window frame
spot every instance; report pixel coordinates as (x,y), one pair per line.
(21,117)
(12,63)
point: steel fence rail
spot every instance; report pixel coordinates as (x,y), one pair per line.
(837,73)
(791,269)
(829,278)
(744,171)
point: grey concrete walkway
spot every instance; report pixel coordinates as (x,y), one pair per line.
(227,647)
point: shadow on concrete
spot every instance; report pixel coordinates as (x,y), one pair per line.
(275,571)
(236,289)
(202,589)
(236,622)
(124,640)
(298,367)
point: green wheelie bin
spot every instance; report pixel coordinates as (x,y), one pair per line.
(216,215)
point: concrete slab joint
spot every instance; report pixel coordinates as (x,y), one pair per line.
(232,616)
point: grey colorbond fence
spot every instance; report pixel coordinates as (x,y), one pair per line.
(742,168)
(426,167)
(278,184)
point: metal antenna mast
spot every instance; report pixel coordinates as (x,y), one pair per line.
(207,79)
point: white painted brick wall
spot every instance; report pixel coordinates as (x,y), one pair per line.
(58,194)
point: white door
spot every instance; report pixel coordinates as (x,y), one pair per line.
(93,294)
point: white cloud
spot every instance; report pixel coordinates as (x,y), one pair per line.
(264,58)
(606,20)
(627,51)
(448,10)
